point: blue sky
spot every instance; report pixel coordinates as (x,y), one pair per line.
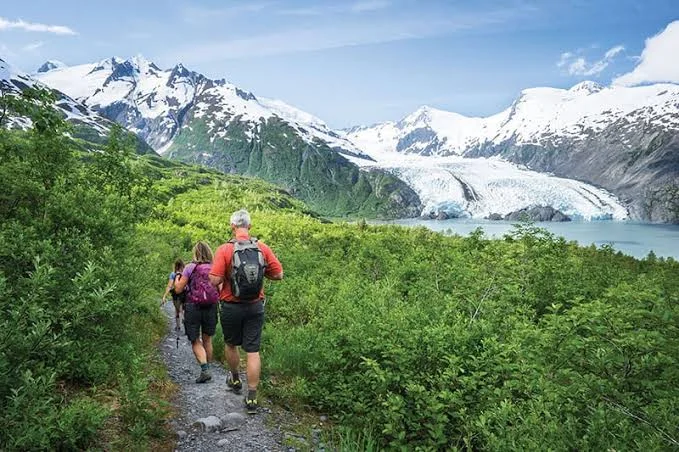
(356,61)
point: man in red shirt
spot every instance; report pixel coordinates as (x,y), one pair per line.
(242,320)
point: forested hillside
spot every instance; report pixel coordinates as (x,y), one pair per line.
(405,338)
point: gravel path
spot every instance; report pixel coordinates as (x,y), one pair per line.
(210,417)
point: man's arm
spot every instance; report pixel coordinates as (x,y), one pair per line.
(216,280)
(274,269)
(276,277)
(218,269)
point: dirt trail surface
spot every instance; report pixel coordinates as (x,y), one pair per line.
(210,417)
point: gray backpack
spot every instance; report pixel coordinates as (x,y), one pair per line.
(247,269)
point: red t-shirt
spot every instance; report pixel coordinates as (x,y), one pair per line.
(221,265)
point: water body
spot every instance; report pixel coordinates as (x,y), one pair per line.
(634,239)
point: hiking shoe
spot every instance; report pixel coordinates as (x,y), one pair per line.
(235,385)
(251,406)
(204,376)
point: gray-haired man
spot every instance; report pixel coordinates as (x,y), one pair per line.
(239,266)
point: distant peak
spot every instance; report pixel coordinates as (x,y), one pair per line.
(143,63)
(587,86)
(50,65)
(179,70)
(424,109)
(107,64)
(422,113)
(428,114)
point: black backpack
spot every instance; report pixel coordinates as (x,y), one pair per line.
(247,269)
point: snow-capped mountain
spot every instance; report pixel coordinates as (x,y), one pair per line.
(51,64)
(86,124)
(540,117)
(153,102)
(185,115)
(624,139)
(14,80)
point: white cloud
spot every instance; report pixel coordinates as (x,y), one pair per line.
(578,65)
(32,46)
(659,62)
(31,26)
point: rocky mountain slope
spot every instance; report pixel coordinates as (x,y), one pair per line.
(87,124)
(623,139)
(185,115)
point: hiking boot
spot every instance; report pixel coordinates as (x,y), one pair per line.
(251,406)
(235,385)
(204,376)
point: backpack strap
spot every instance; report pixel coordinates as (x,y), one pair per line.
(193,270)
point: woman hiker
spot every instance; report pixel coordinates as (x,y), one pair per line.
(200,309)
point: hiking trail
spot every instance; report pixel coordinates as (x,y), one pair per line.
(209,416)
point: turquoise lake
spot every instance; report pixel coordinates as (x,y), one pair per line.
(634,239)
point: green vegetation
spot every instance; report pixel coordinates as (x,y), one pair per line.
(312,172)
(406,339)
(78,328)
(417,340)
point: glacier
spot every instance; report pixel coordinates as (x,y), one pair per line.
(478,187)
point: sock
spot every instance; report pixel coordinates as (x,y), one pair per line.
(235,376)
(204,367)
(252,394)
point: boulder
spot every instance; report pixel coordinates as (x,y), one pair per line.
(208,424)
(442,215)
(537,213)
(233,420)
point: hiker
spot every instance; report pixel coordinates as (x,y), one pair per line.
(177,298)
(239,268)
(200,308)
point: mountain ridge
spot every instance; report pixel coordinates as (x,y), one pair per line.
(187,116)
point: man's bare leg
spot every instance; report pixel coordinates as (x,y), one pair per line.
(232,358)
(254,369)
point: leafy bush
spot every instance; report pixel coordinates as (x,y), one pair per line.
(70,277)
